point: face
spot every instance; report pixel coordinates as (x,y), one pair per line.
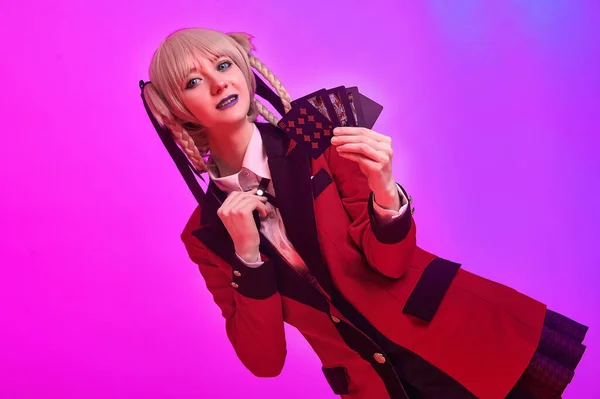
(216,93)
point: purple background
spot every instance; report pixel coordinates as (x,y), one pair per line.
(494,111)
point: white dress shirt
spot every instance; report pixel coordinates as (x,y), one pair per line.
(255,166)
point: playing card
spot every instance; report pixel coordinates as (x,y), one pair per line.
(344,106)
(341,105)
(320,101)
(355,104)
(307,127)
(371,110)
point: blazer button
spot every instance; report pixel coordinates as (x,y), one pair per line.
(410,200)
(412,211)
(379,358)
(335,319)
(234,285)
(237,273)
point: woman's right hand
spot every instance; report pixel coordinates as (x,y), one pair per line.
(236,215)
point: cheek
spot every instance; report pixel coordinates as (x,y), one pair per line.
(245,91)
(242,87)
(197,106)
(247,96)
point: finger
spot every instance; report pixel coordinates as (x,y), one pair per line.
(248,199)
(243,199)
(260,204)
(377,145)
(238,193)
(234,198)
(364,149)
(361,131)
(248,205)
(262,209)
(362,160)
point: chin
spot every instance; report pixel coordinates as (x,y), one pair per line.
(234,116)
(241,113)
(235,119)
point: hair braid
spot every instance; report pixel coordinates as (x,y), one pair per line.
(265,113)
(188,134)
(276,84)
(191,149)
(164,117)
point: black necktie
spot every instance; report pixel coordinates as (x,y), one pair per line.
(262,191)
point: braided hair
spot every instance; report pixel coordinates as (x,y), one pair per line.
(169,66)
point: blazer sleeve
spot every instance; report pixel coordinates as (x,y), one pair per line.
(388,247)
(251,306)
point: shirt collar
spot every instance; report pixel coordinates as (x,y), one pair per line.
(255,160)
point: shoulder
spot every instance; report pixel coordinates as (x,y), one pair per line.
(192,224)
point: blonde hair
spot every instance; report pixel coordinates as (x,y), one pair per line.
(168,68)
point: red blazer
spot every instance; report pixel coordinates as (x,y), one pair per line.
(379,292)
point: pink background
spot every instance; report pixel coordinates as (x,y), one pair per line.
(493,106)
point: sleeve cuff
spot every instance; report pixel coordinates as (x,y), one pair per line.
(254,264)
(385,216)
(255,282)
(394,231)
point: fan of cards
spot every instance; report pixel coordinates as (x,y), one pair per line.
(311,120)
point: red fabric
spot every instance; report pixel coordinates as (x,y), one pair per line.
(483,335)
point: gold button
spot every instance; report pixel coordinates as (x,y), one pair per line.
(234,285)
(237,273)
(379,358)
(410,200)
(412,211)
(335,319)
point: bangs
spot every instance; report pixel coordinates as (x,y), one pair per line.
(181,52)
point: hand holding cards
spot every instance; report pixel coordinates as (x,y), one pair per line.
(312,118)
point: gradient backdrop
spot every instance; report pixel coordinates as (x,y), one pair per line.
(493,106)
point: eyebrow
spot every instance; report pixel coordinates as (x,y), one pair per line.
(212,60)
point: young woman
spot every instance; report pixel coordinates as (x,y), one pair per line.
(328,245)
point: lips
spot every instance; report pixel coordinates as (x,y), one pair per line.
(227,100)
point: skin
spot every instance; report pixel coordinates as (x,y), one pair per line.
(229,132)
(373,153)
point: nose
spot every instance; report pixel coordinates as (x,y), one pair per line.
(218,86)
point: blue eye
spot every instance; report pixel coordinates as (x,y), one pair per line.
(228,63)
(190,85)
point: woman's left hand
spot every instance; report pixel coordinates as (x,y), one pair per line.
(373,153)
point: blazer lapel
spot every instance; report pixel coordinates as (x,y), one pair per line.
(290,174)
(212,231)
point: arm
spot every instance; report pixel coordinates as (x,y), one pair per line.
(388,246)
(252,310)
(384,215)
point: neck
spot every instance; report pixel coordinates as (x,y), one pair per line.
(228,146)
